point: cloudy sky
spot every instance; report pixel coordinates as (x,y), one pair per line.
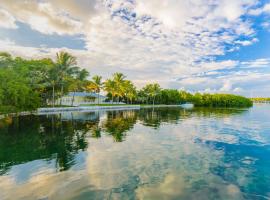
(198,45)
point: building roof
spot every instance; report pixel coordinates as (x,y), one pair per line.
(85,94)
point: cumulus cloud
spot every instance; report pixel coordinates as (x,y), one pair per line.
(169,41)
(7,20)
(262,10)
(258,63)
(42,16)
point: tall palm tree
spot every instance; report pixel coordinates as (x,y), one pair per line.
(82,75)
(119,80)
(51,80)
(78,82)
(152,90)
(66,66)
(109,87)
(95,85)
(130,90)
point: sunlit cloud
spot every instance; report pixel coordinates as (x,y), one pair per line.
(175,43)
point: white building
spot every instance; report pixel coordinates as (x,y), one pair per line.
(81,98)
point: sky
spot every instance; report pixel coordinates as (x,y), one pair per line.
(214,46)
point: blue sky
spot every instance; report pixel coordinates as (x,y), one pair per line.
(198,45)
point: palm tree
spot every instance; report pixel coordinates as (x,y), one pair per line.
(130,90)
(152,90)
(82,75)
(51,79)
(95,85)
(109,87)
(65,64)
(78,82)
(119,80)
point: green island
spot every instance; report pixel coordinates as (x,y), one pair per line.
(28,84)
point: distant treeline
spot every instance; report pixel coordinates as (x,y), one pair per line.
(28,84)
(260,99)
(221,100)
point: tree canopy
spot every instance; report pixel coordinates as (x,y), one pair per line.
(27,84)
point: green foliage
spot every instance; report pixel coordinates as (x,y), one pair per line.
(169,96)
(15,91)
(115,87)
(151,91)
(27,84)
(260,99)
(220,100)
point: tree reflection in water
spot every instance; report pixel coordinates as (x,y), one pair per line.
(61,137)
(27,138)
(118,123)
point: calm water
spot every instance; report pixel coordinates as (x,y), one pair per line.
(167,153)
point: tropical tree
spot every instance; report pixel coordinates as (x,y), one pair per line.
(130,91)
(119,80)
(5,59)
(52,79)
(78,83)
(109,87)
(95,85)
(66,66)
(152,90)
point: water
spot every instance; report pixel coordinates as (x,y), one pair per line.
(165,153)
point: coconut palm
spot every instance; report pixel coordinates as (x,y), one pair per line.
(95,85)
(109,87)
(82,75)
(50,80)
(119,80)
(152,90)
(66,66)
(78,83)
(130,90)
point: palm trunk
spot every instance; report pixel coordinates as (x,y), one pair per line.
(53,96)
(62,90)
(73,98)
(98,99)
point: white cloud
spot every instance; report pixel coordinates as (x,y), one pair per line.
(258,63)
(226,64)
(246,42)
(42,16)
(7,20)
(169,41)
(261,10)
(226,87)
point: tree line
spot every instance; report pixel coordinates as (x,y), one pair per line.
(26,84)
(260,99)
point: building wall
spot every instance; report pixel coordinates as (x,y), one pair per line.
(78,100)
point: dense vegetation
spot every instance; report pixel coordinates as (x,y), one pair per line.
(28,84)
(220,100)
(260,99)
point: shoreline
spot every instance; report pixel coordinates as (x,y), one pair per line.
(98,108)
(55,110)
(85,109)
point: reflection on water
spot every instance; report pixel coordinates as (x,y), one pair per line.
(164,153)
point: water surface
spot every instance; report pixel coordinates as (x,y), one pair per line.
(165,153)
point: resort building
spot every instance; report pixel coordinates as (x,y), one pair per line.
(81,98)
